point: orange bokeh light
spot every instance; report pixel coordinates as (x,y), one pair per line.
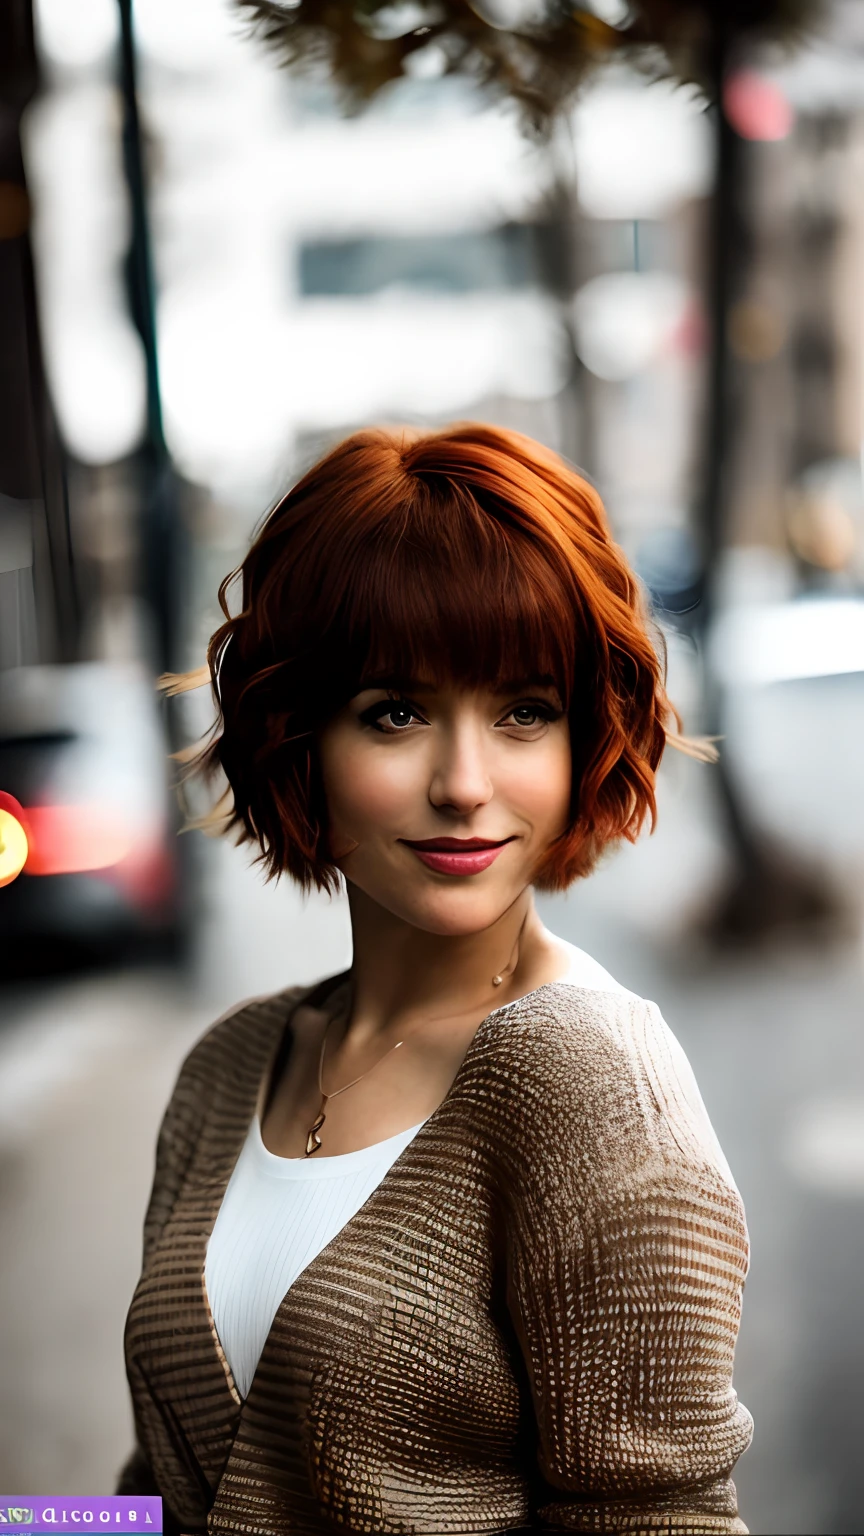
(14,847)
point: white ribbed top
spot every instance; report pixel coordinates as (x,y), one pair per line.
(276,1216)
(278,1213)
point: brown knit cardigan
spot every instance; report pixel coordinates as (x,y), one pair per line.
(529,1325)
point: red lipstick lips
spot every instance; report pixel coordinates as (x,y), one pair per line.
(457,855)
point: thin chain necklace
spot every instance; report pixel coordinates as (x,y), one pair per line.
(313,1140)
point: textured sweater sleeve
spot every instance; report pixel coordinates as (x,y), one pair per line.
(175,1145)
(178,1135)
(627,1252)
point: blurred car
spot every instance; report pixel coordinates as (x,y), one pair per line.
(82,750)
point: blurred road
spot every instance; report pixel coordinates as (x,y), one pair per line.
(86,1067)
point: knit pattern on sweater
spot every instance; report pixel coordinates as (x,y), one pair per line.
(529,1325)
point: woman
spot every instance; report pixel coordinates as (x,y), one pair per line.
(445,1243)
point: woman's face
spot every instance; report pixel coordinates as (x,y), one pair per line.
(442,800)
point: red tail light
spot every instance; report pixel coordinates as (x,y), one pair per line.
(69,839)
(95,839)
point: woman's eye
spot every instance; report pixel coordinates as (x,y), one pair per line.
(530,715)
(398,715)
(391,715)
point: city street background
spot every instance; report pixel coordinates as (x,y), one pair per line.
(209,274)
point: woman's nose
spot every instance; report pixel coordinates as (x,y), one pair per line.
(460,779)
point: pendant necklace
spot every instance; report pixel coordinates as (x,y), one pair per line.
(313,1140)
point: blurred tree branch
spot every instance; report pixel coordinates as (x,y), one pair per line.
(536,53)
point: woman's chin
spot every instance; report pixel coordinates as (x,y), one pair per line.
(451,912)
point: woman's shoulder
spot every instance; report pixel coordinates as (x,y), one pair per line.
(598,1066)
(243,1026)
(583,1019)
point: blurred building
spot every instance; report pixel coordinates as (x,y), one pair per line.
(421,263)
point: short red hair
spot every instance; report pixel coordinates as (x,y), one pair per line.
(471,553)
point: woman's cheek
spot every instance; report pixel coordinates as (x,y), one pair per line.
(538,784)
(375,789)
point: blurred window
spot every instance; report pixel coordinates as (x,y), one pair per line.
(454,263)
(315,95)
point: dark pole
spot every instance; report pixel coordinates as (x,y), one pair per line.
(726,245)
(32,457)
(160,517)
(768,888)
(723,250)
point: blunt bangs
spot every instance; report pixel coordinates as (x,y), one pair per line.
(456,600)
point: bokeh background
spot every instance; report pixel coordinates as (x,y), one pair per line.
(210,270)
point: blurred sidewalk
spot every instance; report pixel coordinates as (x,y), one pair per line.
(86,1069)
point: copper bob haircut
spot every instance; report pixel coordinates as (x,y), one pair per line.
(472,554)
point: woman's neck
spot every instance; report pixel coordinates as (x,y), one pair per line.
(402,973)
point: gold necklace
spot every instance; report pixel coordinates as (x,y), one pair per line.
(313,1140)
